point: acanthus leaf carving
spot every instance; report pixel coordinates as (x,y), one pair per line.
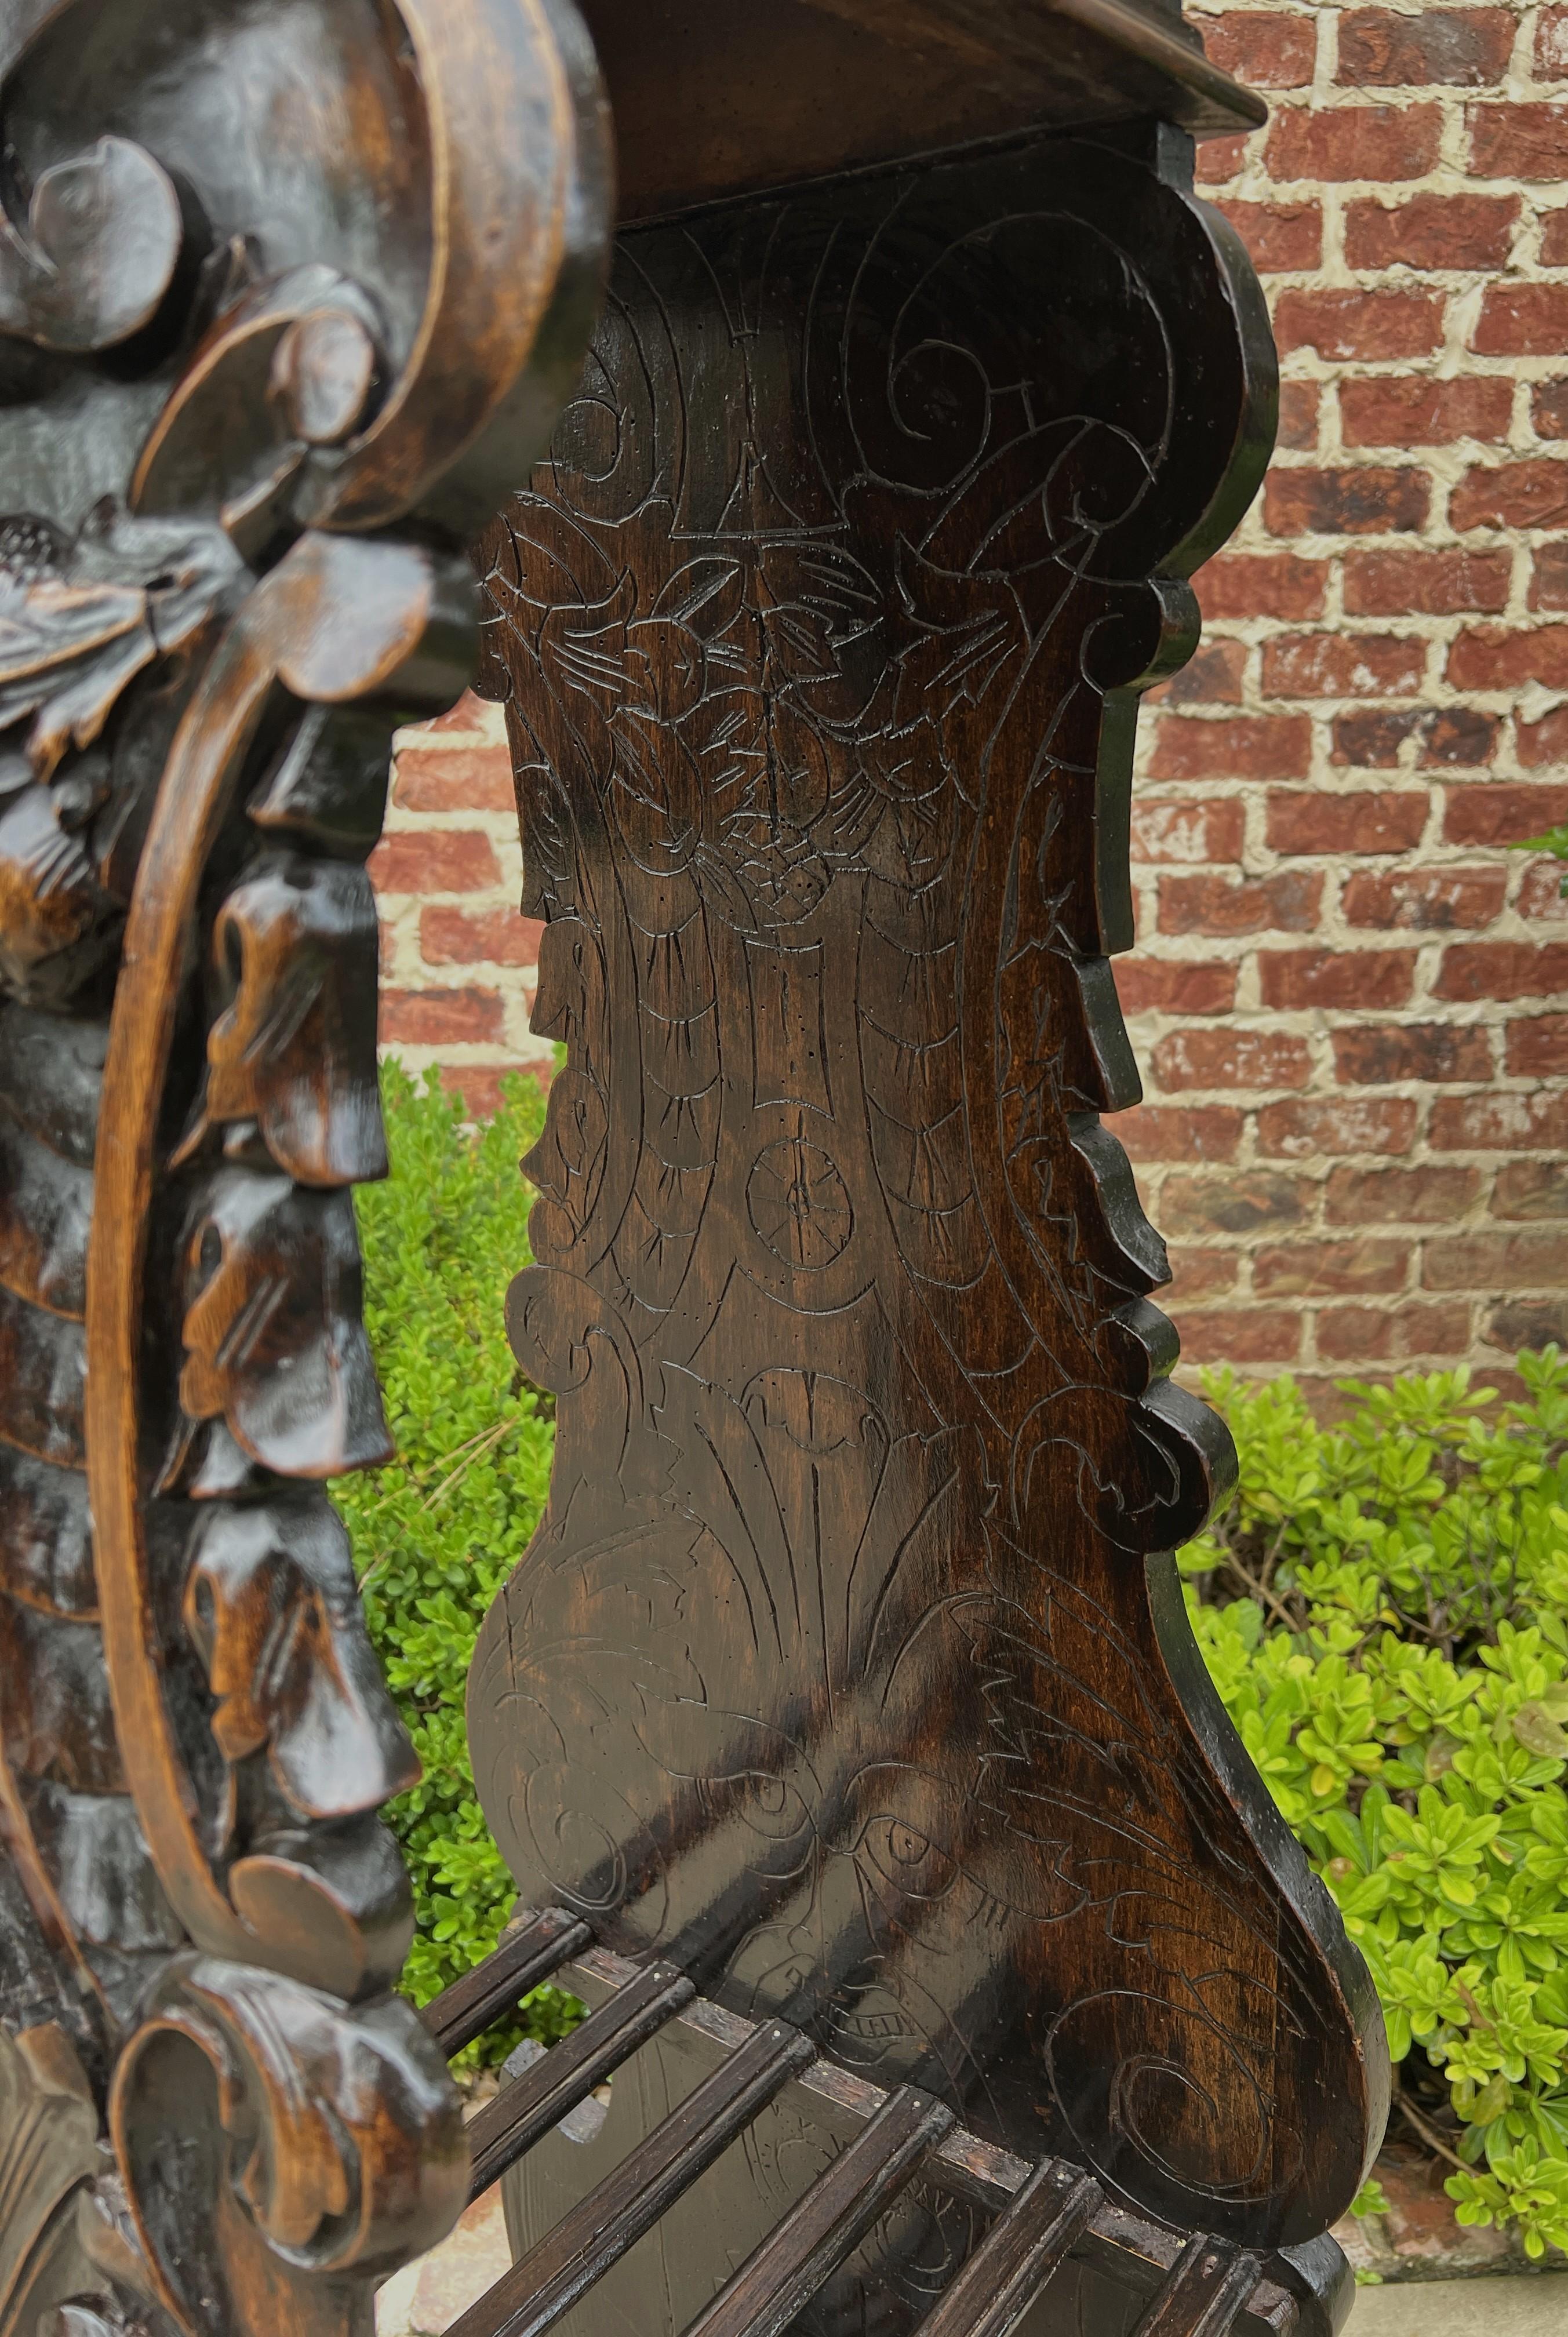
(206,346)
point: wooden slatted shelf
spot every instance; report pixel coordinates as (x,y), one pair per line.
(597,2232)
(828,2223)
(551,2090)
(1198,2286)
(1029,2241)
(527,1956)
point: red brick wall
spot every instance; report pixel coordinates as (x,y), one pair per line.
(1347,998)
(1350,1003)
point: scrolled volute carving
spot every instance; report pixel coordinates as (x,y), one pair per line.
(340,2135)
(213,398)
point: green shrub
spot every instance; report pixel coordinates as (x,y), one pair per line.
(1384,1608)
(436,1533)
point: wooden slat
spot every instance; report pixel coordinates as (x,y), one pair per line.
(597,2232)
(822,2228)
(1125,2246)
(1024,2247)
(466,2009)
(567,2073)
(1208,2285)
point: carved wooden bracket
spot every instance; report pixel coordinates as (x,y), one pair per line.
(286,294)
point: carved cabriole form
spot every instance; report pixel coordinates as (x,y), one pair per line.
(287,293)
(848,1669)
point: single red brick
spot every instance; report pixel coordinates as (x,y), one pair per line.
(1219,159)
(1370,739)
(1528,1322)
(1155,985)
(480,1086)
(1542,743)
(1432,231)
(1494,1261)
(1336,977)
(1497,657)
(1261,584)
(1425,900)
(1342,665)
(1343,323)
(1532,1190)
(1522,320)
(1226,907)
(1508,1123)
(470,713)
(1540,890)
(1278,236)
(1472,970)
(1396,1335)
(481,937)
(1549,576)
(1271,51)
(1241,1335)
(1212,677)
(1387,580)
(1378,1054)
(1237,1202)
(1306,820)
(1374,500)
(1502,814)
(1166,1131)
(1202,1274)
(1538,1048)
(1308,1125)
(1247,746)
(1189,832)
(1331,1269)
(455,778)
(1232,1059)
(1461,48)
(1457,738)
(439,1018)
(1396,1197)
(435,860)
(1300,402)
(1517,141)
(1424,412)
(1532,494)
(1360,141)
(1551,44)
(1549,404)
(1555,239)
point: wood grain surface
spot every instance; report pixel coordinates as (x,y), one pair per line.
(848,1669)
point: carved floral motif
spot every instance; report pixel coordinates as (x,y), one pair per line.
(214,2113)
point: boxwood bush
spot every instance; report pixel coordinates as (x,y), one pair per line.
(1382,1605)
(1384,1608)
(436,1533)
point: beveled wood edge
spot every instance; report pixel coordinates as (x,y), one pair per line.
(1222,105)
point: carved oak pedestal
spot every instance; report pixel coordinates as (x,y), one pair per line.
(842,1728)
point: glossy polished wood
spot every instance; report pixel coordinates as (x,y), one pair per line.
(848,1669)
(546,2281)
(259,390)
(730,98)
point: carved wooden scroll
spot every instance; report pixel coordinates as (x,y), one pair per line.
(846,1670)
(285,293)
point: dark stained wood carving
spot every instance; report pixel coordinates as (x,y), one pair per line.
(287,294)
(848,1670)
